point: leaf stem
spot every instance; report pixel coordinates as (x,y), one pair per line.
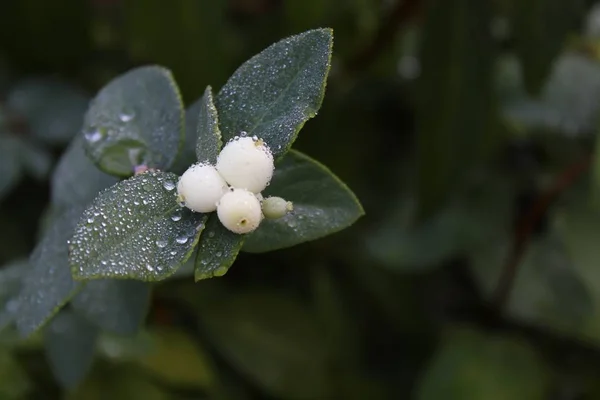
(526,227)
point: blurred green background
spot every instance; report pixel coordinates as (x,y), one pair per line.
(467,128)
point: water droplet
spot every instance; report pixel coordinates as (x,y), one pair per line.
(168,185)
(243,133)
(219,254)
(127,115)
(182,239)
(176,216)
(147,187)
(161,243)
(211,234)
(149,267)
(93,134)
(90,220)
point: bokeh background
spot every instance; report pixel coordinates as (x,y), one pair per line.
(467,128)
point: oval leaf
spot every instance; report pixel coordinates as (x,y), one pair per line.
(76,180)
(70,343)
(137,119)
(117,306)
(274,93)
(217,250)
(49,286)
(209,141)
(135,229)
(322,205)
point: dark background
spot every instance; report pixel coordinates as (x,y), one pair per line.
(467,129)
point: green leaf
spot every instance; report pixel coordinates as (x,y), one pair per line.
(117,306)
(11,279)
(137,119)
(49,286)
(274,93)
(209,136)
(540,29)
(70,343)
(455,103)
(322,205)
(270,339)
(217,250)
(52,109)
(135,229)
(76,181)
(473,366)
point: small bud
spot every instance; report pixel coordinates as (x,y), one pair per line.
(246,163)
(276,207)
(201,187)
(239,211)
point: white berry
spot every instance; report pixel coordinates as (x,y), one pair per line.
(246,163)
(239,211)
(201,187)
(275,207)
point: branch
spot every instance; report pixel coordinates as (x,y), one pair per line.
(527,224)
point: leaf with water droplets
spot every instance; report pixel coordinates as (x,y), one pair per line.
(70,342)
(274,93)
(49,286)
(322,205)
(136,229)
(217,250)
(117,306)
(137,119)
(209,136)
(76,180)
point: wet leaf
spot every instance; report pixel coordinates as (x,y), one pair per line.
(135,229)
(274,93)
(70,343)
(217,250)
(137,119)
(117,306)
(49,286)
(208,133)
(322,205)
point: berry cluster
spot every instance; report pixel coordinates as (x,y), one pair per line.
(233,186)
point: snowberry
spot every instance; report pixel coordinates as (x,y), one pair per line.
(201,187)
(246,163)
(275,207)
(239,211)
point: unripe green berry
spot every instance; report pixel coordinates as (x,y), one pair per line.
(275,207)
(246,163)
(239,211)
(201,187)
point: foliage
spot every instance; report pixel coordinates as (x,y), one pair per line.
(467,128)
